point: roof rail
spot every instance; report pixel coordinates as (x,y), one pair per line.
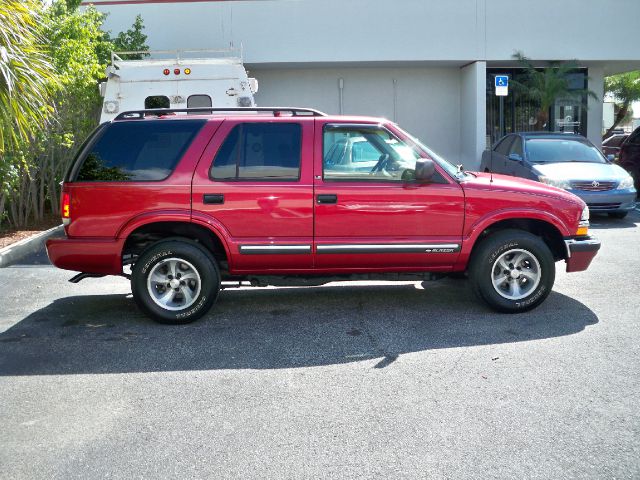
(179,54)
(159,112)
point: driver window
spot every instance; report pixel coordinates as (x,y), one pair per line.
(517,146)
(366,153)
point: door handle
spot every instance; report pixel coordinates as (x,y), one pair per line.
(327,198)
(213,198)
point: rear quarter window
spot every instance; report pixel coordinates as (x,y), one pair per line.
(138,151)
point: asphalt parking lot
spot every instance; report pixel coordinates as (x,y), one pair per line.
(363,381)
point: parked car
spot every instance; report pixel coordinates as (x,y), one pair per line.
(629,156)
(611,145)
(566,161)
(197,202)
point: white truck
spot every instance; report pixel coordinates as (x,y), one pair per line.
(176,79)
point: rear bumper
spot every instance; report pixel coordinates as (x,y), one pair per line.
(580,252)
(86,255)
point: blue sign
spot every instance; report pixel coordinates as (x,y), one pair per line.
(502,81)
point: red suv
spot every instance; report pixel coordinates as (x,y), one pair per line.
(192,202)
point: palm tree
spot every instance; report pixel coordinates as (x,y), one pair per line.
(546,85)
(26,75)
(625,88)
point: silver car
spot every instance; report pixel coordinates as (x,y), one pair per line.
(565,161)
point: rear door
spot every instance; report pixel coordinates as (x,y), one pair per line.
(370,214)
(254,182)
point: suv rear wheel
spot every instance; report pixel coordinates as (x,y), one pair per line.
(175,281)
(512,271)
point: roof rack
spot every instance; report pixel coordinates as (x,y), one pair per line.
(159,112)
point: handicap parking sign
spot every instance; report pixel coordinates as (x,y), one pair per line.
(502,85)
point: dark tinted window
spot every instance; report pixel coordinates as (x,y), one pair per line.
(614,141)
(634,137)
(138,150)
(503,147)
(259,151)
(157,101)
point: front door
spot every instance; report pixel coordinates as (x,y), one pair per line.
(369,211)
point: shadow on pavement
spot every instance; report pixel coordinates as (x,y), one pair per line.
(600,221)
(272,329)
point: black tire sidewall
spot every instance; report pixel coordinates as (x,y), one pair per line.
(191,252)
(494,246)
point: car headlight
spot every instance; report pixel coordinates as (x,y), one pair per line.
(625,183)
(583,226)
(555,182)
(585,214)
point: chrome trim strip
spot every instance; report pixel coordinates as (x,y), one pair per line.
(274,249)
(390,248)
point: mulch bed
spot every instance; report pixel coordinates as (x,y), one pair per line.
(9,236)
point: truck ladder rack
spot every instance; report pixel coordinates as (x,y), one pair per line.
(159,112)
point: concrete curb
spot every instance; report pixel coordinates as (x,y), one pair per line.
(18,250)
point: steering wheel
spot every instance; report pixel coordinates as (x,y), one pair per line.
(382,162)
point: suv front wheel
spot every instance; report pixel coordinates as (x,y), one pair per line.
(175,281)
(512,271)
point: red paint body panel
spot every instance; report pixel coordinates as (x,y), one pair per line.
(86,255)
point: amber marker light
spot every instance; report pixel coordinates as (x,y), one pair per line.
(582,231)
(187,71)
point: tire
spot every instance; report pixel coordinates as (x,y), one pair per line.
(522,254)
(618,214)
(189,271)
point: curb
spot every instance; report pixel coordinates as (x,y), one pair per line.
(24,247)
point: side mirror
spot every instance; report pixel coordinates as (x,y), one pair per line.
(515,157)
(425,169)
(611,157)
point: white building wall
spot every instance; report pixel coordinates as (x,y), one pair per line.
(427,100)
(302,31)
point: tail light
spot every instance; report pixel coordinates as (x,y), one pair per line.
(66,208)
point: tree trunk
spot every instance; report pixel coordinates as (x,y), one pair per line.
(2,202)
(622,112)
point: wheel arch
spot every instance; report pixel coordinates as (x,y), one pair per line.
(143,235)
(547,231)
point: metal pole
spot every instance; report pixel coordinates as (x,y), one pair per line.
(502,132)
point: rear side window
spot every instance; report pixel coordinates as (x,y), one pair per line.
(138,150)
(259,151)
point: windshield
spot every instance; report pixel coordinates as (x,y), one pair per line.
(449,167)
(556,150)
